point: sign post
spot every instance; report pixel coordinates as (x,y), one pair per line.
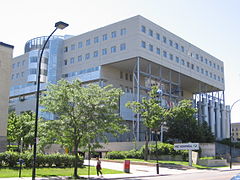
(189,147)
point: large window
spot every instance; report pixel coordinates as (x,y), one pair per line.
(143,29)
(80,44)
(164,54)
(95,54)
(122,47)
(123,31)
(114,34)
(96,39)
(113,49)
(104,51)
(150,47)
(150,32)
(105,37)
(88,42)
(143,44)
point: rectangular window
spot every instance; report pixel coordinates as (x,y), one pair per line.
(158,51)
(65,49)
(126,76)
(150,47)
(123,31)
(22,74)
(113,49)
(104,51)
(88,42)
(188,64)
(95,54)
(218,67)
(210,63)
(122,47)
(158,36)
(182,48)
(201,58)
(182,62)
(164,39)
(143,44)
(164,54)
(105,37)
(150,32)
(79,58)
(210,75)
(72,47)
(114,34)
(72,60)
(13,65)
(170,43)
(143,29)
(197,56)
(192,66)
(17,75)
(221,69)
(23,62)
(176,45)
(131,77)
(214,65)
(197,68)
(206,61)
(12,76)
(80,44)
(65,62)
(33,59)
(202,70)
(96,39)
(31,71)
(121,75)
(87,56)
(177,59)
(214,76)
(170,56)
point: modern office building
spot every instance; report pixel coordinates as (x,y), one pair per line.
(6,53)
(235,132)
(132,54)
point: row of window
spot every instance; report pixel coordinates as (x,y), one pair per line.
(18,64)
(97,39)
(126,89)
(17,75)
(170,56)
(84,71)
(127,76)
(95,54)
(181,48)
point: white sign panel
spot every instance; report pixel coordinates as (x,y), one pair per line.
(186,146)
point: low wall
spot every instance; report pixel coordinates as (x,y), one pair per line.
(212,162)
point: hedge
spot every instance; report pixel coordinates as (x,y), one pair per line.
(162,149)
(11,159)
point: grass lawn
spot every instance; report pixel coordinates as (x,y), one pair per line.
(43,172)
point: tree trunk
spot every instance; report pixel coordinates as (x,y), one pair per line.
(146,145)
(75,174)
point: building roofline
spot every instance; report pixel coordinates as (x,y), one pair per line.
(6,45)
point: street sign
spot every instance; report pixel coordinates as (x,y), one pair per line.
(186,146)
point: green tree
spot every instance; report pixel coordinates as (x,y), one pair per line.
(182,124)
(20,127)
(85,114)
(151,113)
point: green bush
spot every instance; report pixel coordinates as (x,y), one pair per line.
(116,155)
(11,159)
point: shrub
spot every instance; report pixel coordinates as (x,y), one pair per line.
(11,159)
(116,155)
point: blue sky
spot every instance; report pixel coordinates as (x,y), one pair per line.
(212,25)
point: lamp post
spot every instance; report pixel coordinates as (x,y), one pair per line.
(58,25)
(156,135)
(230,133)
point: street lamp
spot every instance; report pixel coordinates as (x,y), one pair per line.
(156,135)
(58,25)
(230,133)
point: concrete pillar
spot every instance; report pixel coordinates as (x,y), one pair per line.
(218,120)
(212,116)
